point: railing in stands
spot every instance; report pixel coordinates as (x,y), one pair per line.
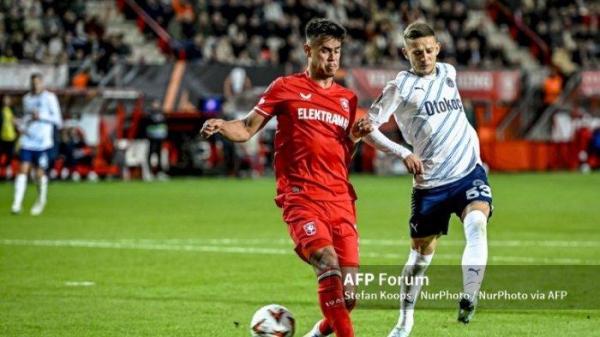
(538,45)
(520,115)
(164,41)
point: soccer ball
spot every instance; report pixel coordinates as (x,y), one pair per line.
(272,320)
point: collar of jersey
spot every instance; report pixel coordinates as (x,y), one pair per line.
(430,76)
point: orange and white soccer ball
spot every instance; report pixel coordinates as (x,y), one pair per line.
(272,320)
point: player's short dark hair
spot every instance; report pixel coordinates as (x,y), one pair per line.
(36,75)
(418,29)
(320,28)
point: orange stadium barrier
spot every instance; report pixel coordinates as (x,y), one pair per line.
(522,155)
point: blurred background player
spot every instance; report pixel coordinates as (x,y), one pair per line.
(8,136)
(313,146)
(448,175)
(41,115)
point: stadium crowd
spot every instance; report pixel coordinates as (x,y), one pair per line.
(57,32)
(266,31)
(570,30)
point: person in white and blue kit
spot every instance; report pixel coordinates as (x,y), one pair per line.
(41,115)
(445,161)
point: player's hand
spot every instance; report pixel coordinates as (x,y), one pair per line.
(362,128)
(413,164)
(211,127)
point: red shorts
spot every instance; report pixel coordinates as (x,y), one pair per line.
(316,224)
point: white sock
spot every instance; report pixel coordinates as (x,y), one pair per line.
(20,187)
(42,189)
(475,255)
(315,331)
(415,267)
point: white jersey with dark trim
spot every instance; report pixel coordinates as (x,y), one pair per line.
(38,133)
(429,113)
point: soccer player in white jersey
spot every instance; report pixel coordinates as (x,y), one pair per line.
(41,115)
(445,162)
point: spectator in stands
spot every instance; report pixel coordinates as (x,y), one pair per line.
(184,16)
(475,56)
(223,51)
(158,11)
(551,90)
(121,49)
(7,56)
(81,79)
(552,87)
(8,136)
(33,47)
(156,133)
(237,157)
(195,51)
(75,152)
(236,83)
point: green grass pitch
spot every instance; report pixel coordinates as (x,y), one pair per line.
(197,257)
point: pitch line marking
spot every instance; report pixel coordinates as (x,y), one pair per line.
(157,245)
(80,283)
(382,242)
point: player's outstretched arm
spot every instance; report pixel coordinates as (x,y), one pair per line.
(382,143)
(239,130)
(380,112)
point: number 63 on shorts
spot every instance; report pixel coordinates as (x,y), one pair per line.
(476,191)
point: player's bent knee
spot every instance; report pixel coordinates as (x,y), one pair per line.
(481,206)
(476,220)
(325,259)
(426,245)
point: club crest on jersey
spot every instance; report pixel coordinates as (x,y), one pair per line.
(310,228)
(450,82)
(305,97)
(478,182)
(345,104)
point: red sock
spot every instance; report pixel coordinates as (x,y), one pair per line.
(325,326)
(331,299)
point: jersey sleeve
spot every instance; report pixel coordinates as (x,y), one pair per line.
(273,95)
(55,110)
(27,111)
(385,105)
(26,106)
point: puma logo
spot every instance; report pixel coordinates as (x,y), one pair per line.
(476,271)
